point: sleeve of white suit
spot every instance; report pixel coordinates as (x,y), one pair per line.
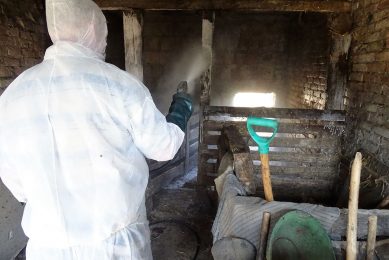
(154,137)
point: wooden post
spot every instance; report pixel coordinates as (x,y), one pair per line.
(208,24)
(371,237)
(232,141)
(264,234)
(133,43)
(352,226)
(337,68)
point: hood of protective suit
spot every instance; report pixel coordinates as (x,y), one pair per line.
(78,21)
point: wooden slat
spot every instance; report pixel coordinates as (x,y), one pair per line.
(309,173)
(306,146)
(241,5)
(324,129)
(319,173)
(301,158)
(320,143)
(310,114)
(281,160)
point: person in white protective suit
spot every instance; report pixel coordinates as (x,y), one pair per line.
(74,135)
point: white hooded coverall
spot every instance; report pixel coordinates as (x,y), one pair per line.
(74,132)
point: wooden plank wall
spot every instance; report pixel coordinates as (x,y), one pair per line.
(162,173)
(304,154)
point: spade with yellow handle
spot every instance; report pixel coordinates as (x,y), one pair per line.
(263,149)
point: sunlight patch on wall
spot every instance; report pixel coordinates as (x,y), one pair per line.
(253,99)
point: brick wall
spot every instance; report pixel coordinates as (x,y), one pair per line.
(368,86)
(22,36)
(271,52)
(249,55)
(308,50)
(171,45)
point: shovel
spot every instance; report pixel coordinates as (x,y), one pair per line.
(263,145)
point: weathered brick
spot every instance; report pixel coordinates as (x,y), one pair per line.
(11,62)
(13,32)
(383,4)
(13,52)
(382,25)
(376,67)
(382,56)
(5,72)
(360,67)
(377,46)
(5,82)
(369,57)
(356,76)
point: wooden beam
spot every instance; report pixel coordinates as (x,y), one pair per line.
(240,5)
(338,62)
(302,114)
(232,141)
(133,43)
(208,25)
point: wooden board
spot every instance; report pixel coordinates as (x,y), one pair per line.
(317,173)
(313,127)
(319,143)
(243,5)
(310,114)
(306,148)
(133,42)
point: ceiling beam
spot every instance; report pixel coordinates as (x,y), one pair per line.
(333,6)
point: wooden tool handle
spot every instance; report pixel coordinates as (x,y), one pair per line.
(371,237)
(264,234)
(352,226)
(266,177)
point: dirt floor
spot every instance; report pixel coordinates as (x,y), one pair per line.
(181,221)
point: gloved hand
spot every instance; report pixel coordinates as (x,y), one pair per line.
(180,110)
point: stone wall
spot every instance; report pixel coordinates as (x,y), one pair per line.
(368,87)
(171,49)
(23,40)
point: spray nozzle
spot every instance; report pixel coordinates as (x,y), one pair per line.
(182,87)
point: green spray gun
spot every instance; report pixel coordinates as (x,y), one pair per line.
(263,149)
